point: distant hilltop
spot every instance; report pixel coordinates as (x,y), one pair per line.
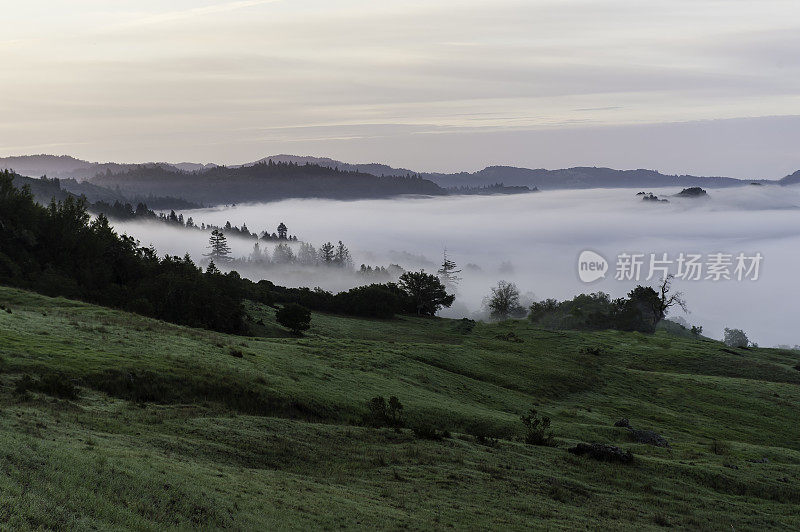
(325,177)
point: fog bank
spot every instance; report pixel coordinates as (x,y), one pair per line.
(535,239)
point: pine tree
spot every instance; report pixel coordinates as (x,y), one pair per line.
(282,230)
(218,245)
(341,256)
(448,272)
(326,253)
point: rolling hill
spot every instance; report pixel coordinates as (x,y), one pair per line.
(112,420)
(266,181)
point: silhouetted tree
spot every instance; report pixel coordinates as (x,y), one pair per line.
(218,245)
(503,300)
(282,230)
(426,292)
(326,253)
(448,272)
(294,317)
(341,256)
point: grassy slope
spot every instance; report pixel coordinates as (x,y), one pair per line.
(170,429)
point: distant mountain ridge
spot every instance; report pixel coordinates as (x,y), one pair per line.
(187,179)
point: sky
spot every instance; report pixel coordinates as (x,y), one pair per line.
(683,86)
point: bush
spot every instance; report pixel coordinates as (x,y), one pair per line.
(53,384)
(735,338)
(57,385)
(23,385)
(294,317)
(425,430)
(373,301)
(537,428)
(382,414)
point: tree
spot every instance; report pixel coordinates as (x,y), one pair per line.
(307,255)
(294,317)
(646,307)
(258,254)
(667,300)
(735,338)
(448,272)
(218,244)
(503,300)
(326,253)
(341,257)
(282,230)
(426,292)
(282,254)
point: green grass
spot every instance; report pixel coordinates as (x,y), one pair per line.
(170,429)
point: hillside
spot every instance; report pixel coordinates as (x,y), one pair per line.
(186,428)
(578,177)
(262,182)
(566,178)
(791,179)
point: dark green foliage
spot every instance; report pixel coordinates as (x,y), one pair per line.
(59,251)
(602,452)
(236,353)
(294,317)
(426,293)
(425,430)
(591,350)
(641,311)
(263,181)
(537,428)
(465,325)
(383,413)
(373,301)
(24,385)
(53,384)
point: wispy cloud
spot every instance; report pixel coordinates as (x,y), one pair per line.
(172,16)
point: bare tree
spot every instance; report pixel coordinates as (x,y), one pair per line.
(503,300)
(667,300)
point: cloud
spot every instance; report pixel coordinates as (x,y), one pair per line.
(181,15)
(542,235)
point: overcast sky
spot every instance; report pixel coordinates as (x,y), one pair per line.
(684,86)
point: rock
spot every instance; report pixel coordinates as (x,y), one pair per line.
(648,437)
(623,423)
(731,466)
(764,460)
(602,452)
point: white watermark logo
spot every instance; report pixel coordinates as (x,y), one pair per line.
(591,266)
(685,266)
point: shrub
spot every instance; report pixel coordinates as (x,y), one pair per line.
(425,430)
(383,414)
(735,338)
(537,428)
(23,385)
(719,447)
(294,317)
(57,385)
(591,350)
(54,384)
(237,353)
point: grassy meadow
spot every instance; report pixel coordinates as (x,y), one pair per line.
(109,420)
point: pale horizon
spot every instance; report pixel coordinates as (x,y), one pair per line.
(678,87)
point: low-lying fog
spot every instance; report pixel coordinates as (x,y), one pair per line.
(535,239)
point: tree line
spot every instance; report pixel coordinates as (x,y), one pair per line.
(59,250)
